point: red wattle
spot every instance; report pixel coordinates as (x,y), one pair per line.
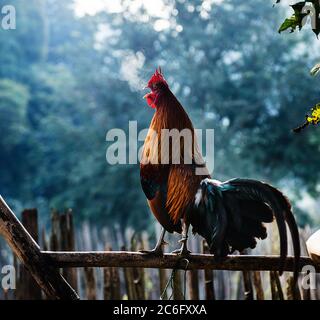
(150,98)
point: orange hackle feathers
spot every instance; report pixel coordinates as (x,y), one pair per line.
(159,155)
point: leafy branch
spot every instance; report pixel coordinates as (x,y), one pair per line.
(303,10)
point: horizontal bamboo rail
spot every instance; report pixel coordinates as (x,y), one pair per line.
(170,261)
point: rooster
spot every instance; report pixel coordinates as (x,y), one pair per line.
(229,215)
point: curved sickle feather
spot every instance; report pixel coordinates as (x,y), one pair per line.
(293,230)
(256,190)
(220,229)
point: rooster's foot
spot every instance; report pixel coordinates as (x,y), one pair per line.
(153,252)
(183,252)
(157,251)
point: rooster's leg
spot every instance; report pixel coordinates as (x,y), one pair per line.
(183,251)
(158,250)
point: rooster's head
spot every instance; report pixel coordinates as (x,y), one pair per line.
(156,84)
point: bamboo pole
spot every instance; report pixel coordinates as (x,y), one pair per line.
(28,251)
(170,261)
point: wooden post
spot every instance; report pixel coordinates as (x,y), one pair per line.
(258,285)
(111,280)
(67,243)
(116,284)
(248,290)
(293,292)
(90,281)
(208,277)
(177,286)
(55,231)
(278,285)
(28,290)
(44,240)
(247,281)
(138,275)
(162,283)
(107,284)
(28,251)
(193,281)
(276,289)
(128,277)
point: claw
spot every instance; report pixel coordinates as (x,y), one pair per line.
(158,252)
(183,251)
(164,243)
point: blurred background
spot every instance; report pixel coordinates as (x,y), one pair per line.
(72,70)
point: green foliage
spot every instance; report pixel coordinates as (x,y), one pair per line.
(302,10)
(63,85)
(14,99)
(295,20)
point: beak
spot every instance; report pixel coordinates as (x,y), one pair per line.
(145,88)
(145,96)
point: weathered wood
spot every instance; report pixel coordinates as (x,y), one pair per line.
(293,292)
(55,231)
(170,261)
(28,251)
(162,283)
(278,285)
(67,243)
(177,285)
(128,278)
(111,282)
(138,274)
(274,293)
(258,285)
(247,283)
(90,281)
(208,276)
(276,289)
(193,282)
(247,280)
(107,284)
(28,290)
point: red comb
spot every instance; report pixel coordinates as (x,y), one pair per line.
(157,77)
